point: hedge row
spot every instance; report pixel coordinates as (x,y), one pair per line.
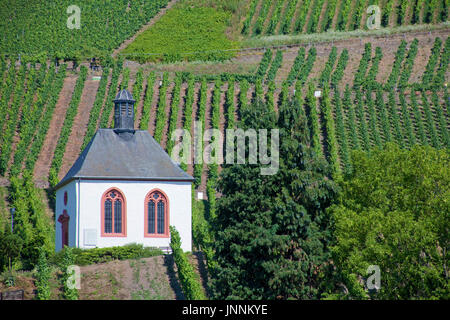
(399,56)
(307,67)
(44,122)
(395,119)
(190,283)
(347,102)
(275,18)
(383,114)
(288,15)
(301,18)
(264,64)
(67,127)
(360,75)
(6,92)
(201,115)
(175,105)
(7,135)
(341,134)
(137,88)
(324,78)
(229,104)
(145,118)
(313,119)
(373,119)
(432,62)
(418,120)
(96,109)
(161,116)
(329,126)
(409,130)
(296,67)
(370,81)
(409,63)
(362,121)
(249,17)
(32,117)
(276,64)
(187,116)
(112,91)
(430,122)
(338,73)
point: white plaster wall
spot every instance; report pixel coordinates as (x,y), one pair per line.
(179,197)
(71,208)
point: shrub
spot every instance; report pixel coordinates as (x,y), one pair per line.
(68,260)
(190,283)
(43,277)
(84,257)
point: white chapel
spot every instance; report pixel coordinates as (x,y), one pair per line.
(124,188)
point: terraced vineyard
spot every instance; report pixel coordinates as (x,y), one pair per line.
(268,17)
(372,95)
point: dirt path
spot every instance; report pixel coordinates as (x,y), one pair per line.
(79,127)
(145,27)
(43,162)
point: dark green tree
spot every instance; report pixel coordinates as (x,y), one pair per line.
(271,230)
(10,247)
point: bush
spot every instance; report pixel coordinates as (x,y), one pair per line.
(43,277)
(84,257)
(68,259)
(190,284)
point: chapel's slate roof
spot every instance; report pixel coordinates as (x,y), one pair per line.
(124,95)
(109,156)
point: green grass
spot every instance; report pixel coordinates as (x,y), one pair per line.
(185,34)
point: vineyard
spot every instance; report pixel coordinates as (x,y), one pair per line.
(271,17)
(39,30)
(402,100)
(349,102)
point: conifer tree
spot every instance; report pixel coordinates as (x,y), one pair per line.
(272,230)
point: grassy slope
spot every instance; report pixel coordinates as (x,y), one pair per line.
(182,31)
(152,278)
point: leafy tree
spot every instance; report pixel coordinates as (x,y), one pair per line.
(10,247)
(271,230)
(394,212)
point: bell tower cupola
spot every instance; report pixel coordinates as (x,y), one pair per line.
(124,112)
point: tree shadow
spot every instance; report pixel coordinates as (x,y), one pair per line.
(204,276)
(173,279)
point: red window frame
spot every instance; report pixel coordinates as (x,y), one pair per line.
(120,196)
(162,197)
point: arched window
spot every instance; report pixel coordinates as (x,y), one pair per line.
(113,214)
(156,214)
